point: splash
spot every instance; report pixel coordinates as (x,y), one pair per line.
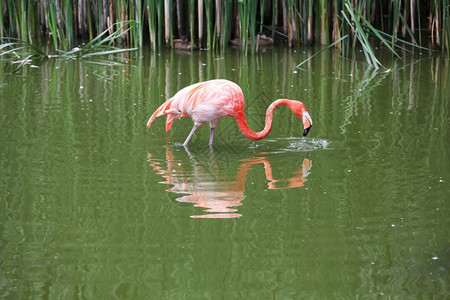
(307,145)
(284,145)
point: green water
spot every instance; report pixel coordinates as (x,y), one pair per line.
(94,206)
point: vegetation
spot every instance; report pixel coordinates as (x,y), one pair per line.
(394,23)
(24,52)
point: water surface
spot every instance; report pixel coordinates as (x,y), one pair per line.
(92,205)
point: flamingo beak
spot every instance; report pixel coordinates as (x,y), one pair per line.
(305,132)
(307,122)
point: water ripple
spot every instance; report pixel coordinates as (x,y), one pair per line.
(283,145)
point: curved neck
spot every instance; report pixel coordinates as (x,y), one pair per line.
(245,129)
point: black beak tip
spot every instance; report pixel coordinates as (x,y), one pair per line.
(305,132)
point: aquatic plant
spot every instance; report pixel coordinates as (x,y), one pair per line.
(291,22)
(23,52)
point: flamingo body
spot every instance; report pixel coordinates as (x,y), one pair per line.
(208,101)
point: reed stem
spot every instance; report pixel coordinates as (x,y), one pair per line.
(66,21)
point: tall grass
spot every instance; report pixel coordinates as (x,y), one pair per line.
(23,52)
(290,22)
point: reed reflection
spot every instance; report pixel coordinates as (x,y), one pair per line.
(206,186)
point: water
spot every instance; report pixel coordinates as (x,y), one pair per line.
(94,206)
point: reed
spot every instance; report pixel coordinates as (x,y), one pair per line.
(52,24)
(23,52)
(2,22)
(309,22)
(167,23)
(446,25)
(138,29)
(151,20)
(227,6)
(200,23)
(191,8)
(324,32)
(69,22)
(360,33)
(209,24)
(290,22)
(243,24)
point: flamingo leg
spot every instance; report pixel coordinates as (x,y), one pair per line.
(211,137)
(213,125)
(190,135)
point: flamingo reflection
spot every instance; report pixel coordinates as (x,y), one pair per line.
(220,195)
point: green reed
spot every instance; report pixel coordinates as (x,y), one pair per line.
(191,9)
(290,22)
(243,24)
(445,12)
(446,25)
(69,22)
(151,21)
(227,6)
(209,24)
(323,16)
(52,24)
(23,52)
(2,25)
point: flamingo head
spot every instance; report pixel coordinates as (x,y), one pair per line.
(299,109)
(307,122)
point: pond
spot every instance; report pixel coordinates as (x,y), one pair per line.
(92,205)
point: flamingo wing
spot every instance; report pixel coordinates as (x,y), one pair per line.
(203,102)
(209,100)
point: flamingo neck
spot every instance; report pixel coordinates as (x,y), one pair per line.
(245,129)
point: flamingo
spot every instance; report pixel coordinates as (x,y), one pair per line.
(208,101)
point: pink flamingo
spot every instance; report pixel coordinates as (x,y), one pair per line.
(210,100)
